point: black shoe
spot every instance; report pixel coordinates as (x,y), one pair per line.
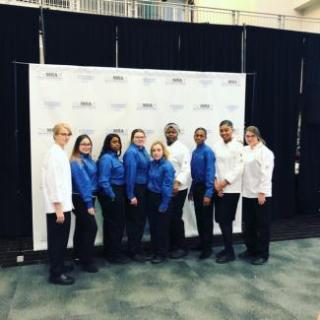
(91,268)
(76,261)
(197,248)
(138,258)
(148,256)
(63,279)
(205,254)
(221,253)
(226,258)
(68,268)
(118,260)
(179,253)
(258,261)
(245,255)
(158,259)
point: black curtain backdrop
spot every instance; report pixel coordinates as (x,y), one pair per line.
(79,39)
(275,57)
(19,41)
(179,46)
(309,176)
(205,47)
(148,44)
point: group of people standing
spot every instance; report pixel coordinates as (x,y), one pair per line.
(141,188)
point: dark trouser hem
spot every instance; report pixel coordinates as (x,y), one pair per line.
(177,232)
(159,225)
(204,216)
(113,221)
(57,236)
(256,226)
(85,231)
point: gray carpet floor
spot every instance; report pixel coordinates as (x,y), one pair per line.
(286,288)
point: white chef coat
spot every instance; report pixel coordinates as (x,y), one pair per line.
(229,164)
(56,179)
(258,169)
(179,156)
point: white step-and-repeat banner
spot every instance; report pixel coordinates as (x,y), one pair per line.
(98,101)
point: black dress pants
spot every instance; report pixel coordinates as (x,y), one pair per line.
(113,211)
(136,217)
(204,216)
(85,231)
(256,226)
(177,233)
(225,212)
(57,235)
(159,225)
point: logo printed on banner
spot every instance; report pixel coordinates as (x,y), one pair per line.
(52,104)
(85,77)
(203,107)
(118,106)
(117,78)
(148,81)
(87,131)
(176,81)
(232,107)
(205,82)
(84,105)
(231,83)
(122,132)
(45,131)
(176,107)
(147,106)
(50,75)
(149,132)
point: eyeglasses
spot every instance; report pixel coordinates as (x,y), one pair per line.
(85,144)
(250,135)
(65,134)
(139,137)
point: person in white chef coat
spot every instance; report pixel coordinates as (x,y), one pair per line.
(257,195)
(179,156)
(229,169)
(57,188)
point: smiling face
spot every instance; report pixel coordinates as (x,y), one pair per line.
(157,152)
(62,137)
(226,133)
(171,135)
(251,138)
(115,144)
(85,146)
(200,136)
(139,139)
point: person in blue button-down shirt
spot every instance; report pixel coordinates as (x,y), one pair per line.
(84,188)
(160,190)
(136,161)
(112,198)
(202,189)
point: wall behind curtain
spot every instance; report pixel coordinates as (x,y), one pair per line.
(275,57)
(19,41)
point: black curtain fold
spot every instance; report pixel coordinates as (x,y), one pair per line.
(19,41)
(205,47)
(79,39)
(148,44)
(275,57)
(309,175)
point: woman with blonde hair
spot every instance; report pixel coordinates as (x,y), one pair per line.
(84,188)
(256,195)
(160,184)
(57,189)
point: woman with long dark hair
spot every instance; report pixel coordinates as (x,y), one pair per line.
(84,188)
(112,198)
